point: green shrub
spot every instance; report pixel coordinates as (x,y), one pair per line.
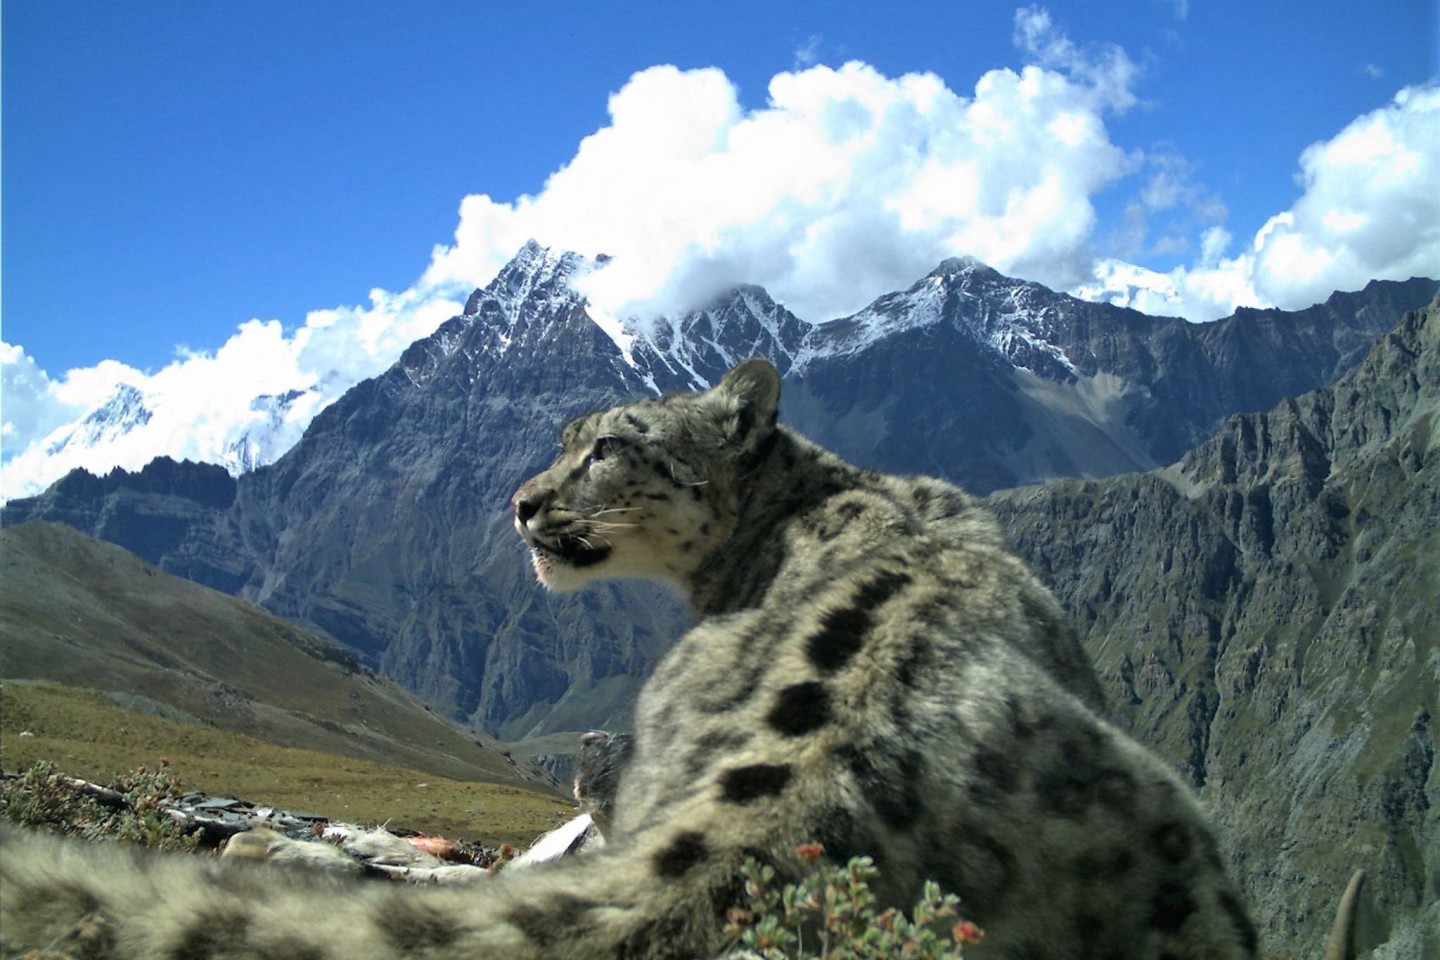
(830,914)
(131,808)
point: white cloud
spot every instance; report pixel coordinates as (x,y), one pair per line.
(202,404)
(1371,206)
(1369,209)
(847,184)
(808,53)
(1107,71)
(33,406)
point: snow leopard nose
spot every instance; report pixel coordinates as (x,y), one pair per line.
(527,502)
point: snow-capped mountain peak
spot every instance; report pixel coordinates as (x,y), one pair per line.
(1015,318)
(125,410)
(531,292)
(134,426)
(279,424)
(534,276)
(535,307)
(743,323)
(1127,285)
(531,308)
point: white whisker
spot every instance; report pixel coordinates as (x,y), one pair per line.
(601,513)
(685,483)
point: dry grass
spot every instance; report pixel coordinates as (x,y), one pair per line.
(89,615)
(86,735)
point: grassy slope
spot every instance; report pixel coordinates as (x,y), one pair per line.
(89,614)
(243,704)
(87,735)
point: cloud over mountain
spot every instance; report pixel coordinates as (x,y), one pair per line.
(245,403)
(1369,209)
(845,185)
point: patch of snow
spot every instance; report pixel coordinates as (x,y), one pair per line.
(124,412)
(623,339)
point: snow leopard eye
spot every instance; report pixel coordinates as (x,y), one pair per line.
(605,447)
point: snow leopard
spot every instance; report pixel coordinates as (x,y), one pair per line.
(870,669)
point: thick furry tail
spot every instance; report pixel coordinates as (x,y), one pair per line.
(109,902)
(1341,945)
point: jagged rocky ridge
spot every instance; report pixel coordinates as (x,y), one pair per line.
(1264,613)
(993,382)
(387,527)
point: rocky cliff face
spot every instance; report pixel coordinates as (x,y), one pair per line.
(175,511)
(1265,613)
(993,382)
(388,526)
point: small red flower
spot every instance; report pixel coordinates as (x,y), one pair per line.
(966,932)
(810,852)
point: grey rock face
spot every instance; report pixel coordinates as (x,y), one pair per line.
(994,383)
(1265,613)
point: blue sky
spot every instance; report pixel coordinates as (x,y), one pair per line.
(173,171)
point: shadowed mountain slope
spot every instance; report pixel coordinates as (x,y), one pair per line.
(1265,614)
(89,614)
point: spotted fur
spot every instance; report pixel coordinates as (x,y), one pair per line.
(870,668)
(602,757)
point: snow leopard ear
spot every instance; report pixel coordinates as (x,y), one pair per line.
(752,391)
